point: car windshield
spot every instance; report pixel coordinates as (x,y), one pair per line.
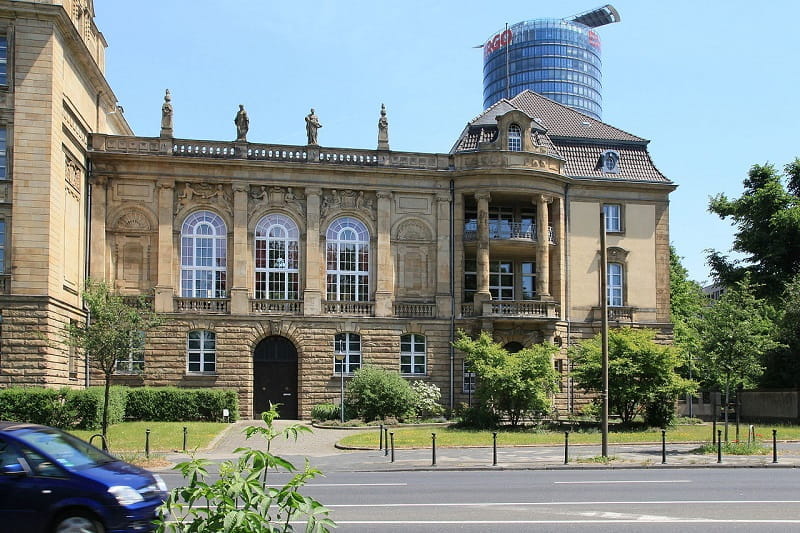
(66,450)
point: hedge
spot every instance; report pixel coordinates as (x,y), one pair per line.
(83,408)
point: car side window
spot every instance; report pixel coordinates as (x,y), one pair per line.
(40,465)
(8,455)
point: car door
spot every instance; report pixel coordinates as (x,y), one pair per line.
(28,497)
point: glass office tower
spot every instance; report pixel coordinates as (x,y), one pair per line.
(557,58)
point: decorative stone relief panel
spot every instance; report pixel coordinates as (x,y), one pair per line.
(262,198)
(336,200)
(203,194)
(415,260)
(133,237)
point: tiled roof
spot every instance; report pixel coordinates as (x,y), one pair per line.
(569,135)
(583,161)
(562,121)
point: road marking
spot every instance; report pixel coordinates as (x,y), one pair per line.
(571,503)
(356,484)
(545,522)
(605,482)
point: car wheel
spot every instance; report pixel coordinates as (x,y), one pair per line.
(77,523)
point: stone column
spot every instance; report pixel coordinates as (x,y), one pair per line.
(384,287)
(238,291)
(98,247)
(482,259)
(312,295)
(164,290)
(443,273)
(542,247)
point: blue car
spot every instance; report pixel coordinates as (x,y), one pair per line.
(53,482)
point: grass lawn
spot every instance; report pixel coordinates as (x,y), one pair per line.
(129,437)
(421,437)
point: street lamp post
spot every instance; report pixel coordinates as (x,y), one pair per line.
(340,360)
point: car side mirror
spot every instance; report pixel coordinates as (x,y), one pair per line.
(14,469)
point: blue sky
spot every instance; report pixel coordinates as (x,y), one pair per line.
(712,84)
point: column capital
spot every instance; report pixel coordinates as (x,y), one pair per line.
(483,195)
(313,191)
(443,198)
(384,195)
(99,181)
(165,184)
(543,199)
(241,187)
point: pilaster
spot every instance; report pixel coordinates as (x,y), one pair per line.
(238,291)
(98,247)
(384,288)
(443,266)
(312,295)
(482,260)
(542,247)
(164,290)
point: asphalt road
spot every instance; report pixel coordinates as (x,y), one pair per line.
(655,500)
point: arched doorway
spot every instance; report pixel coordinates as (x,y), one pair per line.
(275,377)
(513,347)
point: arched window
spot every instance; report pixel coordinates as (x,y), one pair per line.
(347,260)
(412,354)
(203,256)
(615,281)
(277,258)
(201,351)
(514,138)
(346,353)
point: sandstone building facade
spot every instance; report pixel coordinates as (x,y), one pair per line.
(281,268)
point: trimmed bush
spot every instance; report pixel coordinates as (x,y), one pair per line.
(88,406)
(173,404)
(375,393)
(325,411)
(63,408)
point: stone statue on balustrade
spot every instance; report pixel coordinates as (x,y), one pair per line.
(166,116)
(242,122)
(312,125)
(383,130)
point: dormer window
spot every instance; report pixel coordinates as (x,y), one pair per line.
(514,138)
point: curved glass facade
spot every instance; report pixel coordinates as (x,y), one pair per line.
(559,59)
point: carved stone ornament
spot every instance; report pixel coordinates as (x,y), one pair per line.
(132,221)
(203,194)
(73,173)
(413,230)
(347,199)
(616,254)
(263,197)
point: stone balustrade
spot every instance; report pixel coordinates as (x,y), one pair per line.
(202,305)
(348,308)
(287,307)
(521,308)
(413,309)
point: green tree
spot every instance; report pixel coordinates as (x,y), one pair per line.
(515,384)
(737,333)
(112,330)
(240,499)
(687,303)
(642,375)
(376,393)
(767,221)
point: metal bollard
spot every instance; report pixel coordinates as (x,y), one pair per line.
(494,448)
(714,431)
(386,441)
(719,446)
(663,446)
(751,434)
(391,434)
(185,429)
(380,434)
(433,449)
(147,443)
(566,447)
(774,446)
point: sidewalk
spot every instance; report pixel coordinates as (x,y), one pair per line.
(319,447)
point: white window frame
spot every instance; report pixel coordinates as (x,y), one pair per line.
(3,60)
(277,258)
(204,252)
(525,275)
(514,138)
(501,283)
(615,284)
(133,362)
(347,261)
(613,214)
(201,351)
(3,152)
(468,379)
(413,354)
(349,345)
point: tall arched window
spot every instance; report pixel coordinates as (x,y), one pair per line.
(277,258)
(347,260)
(203,256)
(615,271)
(514,138)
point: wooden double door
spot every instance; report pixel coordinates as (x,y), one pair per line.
(275,377)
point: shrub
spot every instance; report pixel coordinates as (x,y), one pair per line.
(427,402)
(479,417)
(173,404)
(88,406)
(375,393)
(325,411)
(64,408)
